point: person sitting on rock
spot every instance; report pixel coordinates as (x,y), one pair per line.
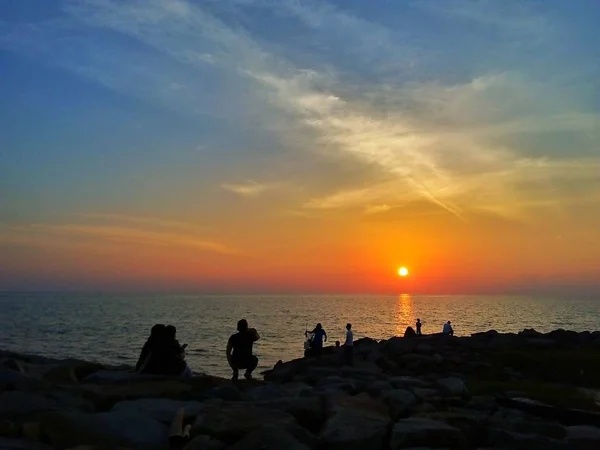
(239,350)
(318,336)
(419,327)
(448,329)
(154,340)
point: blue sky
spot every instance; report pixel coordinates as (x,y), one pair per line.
(207,111)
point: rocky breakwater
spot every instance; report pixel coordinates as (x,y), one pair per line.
(491,390)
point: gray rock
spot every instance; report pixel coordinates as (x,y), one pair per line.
(297,388)
(408,382)
(584,437)
(453,386)
(379,387)
(231,422)
(269,437)
(228,393)
(309,412)
(10,376)
(425,394)
(400,401)
(161,409)
(21,403)
(204,443)
(116,429)
(267,392)
(22,444)
(425,432)
(354,430)
(502,438)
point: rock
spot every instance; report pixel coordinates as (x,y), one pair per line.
(297,388)
(20,403)
(379,387)
(506,439)
(526,425)
(425,432)
(267,392)
(115,376)
(10,376)
(269,437)
(22,444)
(400,401)
(231,422)
(354,430)
(309,412)
(408,382)
(9,429)
(584,437)
(204,443)
(425,394)
(160,409)
(228,393)
(483,403)
(115,428)
(453,386)
(410,332)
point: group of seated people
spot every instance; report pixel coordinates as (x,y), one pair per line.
(162,354)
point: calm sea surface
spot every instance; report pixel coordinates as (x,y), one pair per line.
(112,329)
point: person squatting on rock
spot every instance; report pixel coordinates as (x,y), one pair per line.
(239,350)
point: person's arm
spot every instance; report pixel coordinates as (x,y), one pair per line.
(255,334)
(325,335)
(229,351)
(145,363)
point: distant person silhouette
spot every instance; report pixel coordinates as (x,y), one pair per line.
(349,346)
(318,336)
(239,350)
(419,327)
(165,356)
(154,340)
(448,329)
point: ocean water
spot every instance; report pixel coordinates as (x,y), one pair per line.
(112,329)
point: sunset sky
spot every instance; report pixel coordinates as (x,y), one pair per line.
(300,146)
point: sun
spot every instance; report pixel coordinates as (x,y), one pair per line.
(403,271)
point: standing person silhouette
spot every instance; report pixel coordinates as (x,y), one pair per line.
(318,336)
(419,327)
(349,346)
(239,350)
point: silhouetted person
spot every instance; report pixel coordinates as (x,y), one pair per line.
(239,350)
(172,354)
(419,327)
(349,346)
(448,329)
(154,340)
(316,342)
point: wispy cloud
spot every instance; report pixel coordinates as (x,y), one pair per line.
(248,189)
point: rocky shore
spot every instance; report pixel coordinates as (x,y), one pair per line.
(487,391)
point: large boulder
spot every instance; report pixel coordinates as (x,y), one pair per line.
(267,392)
(203,442)
(231,422)
(400,401)
(22,444)
(160,409)
(507,439)
(8,376)
(584,437)
(453,386)
(415,432)
(20,403)
(269,437)
(309,412)
(227,392)
(116,429)
(354,430)
(379,387)
(408,382)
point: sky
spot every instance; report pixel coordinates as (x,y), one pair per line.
(274,146)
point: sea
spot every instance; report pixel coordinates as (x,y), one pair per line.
(112,328)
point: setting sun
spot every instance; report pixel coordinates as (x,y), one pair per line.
(403,271)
